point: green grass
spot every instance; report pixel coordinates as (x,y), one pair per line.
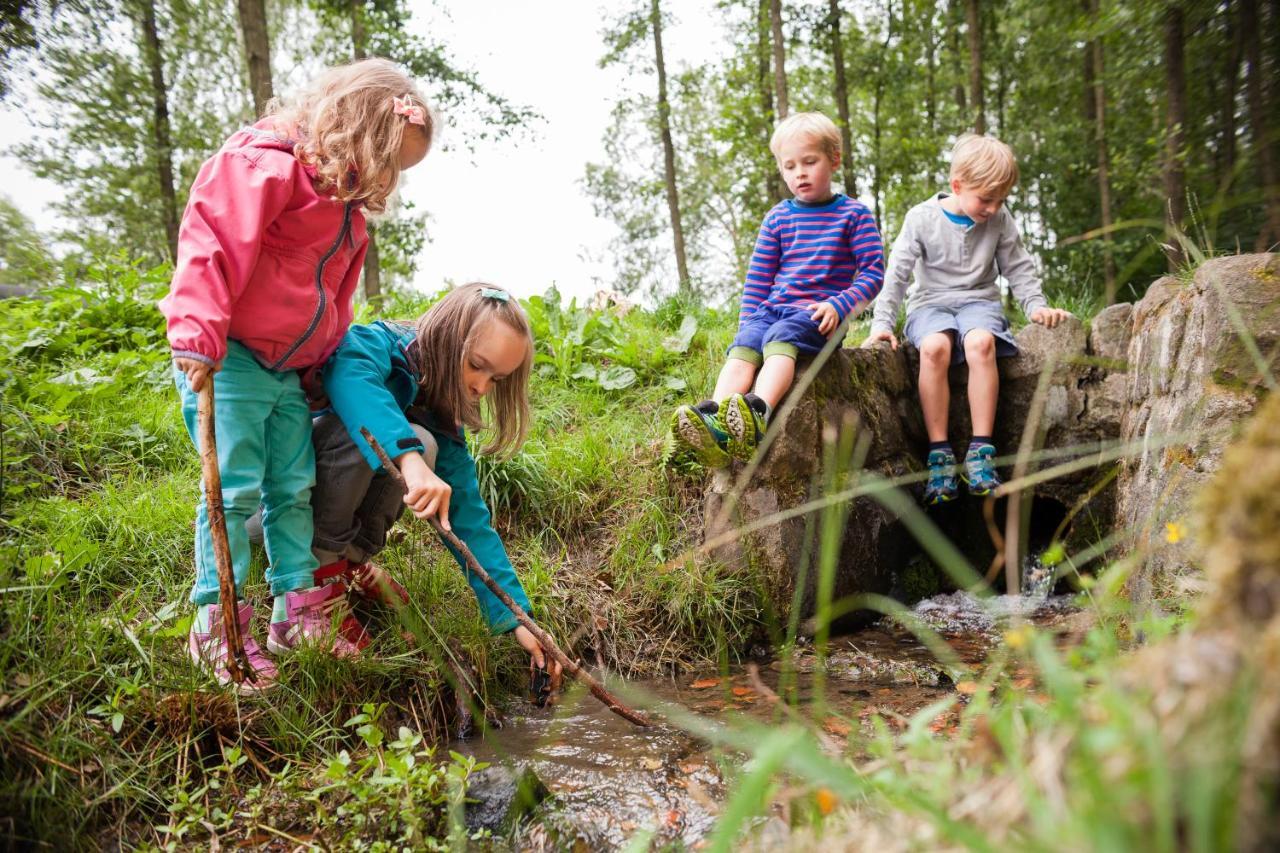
(106,727)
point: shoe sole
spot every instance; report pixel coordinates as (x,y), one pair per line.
(739,424)
(693,433)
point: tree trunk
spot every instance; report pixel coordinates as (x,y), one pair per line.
(372,266)
(257,52)
(1260,131)
(1175,130)
(668,150)
(973,20)
(1226,100)
(779,58)
(160,124)
(1002,78)
(931,46)
(877,188)
(953,33)
(772,181)
(1097,70)
(842,97)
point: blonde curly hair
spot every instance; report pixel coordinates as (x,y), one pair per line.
(348,131)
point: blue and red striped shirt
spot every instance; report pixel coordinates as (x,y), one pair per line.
(806,254)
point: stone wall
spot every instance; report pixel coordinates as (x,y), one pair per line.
(1190,373)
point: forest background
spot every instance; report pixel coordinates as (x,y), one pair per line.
(1129,119)
(1124,116)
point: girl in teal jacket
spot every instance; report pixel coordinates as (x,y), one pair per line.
(417,391)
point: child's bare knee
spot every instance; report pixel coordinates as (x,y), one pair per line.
(979,346)
(935,350)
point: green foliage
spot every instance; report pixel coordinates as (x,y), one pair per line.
(24,257)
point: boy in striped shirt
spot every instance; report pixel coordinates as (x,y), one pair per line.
(818,260)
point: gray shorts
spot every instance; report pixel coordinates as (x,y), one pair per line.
(982,314)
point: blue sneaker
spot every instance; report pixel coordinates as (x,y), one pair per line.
(701,434)
(943,485)
(980,469)
(744,425)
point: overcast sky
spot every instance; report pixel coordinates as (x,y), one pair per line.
(510,212)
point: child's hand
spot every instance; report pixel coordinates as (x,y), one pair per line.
(427,495)
(537,657)
(196,371)
(878,335)
(824,314)
(1049,316)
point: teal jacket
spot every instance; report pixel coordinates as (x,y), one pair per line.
(371,380)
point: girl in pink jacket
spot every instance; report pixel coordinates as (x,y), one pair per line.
(269,254)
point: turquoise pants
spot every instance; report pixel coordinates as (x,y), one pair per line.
(263,430)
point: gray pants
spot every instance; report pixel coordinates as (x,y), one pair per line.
(353,507)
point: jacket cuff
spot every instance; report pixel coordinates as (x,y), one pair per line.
(194,356)
(1033,303)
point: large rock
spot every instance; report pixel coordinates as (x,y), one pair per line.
(1171,375)
(1201,353)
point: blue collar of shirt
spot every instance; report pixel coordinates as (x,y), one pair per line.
(959,218)
(826,205)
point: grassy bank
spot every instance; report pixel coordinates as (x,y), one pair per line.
(104,724)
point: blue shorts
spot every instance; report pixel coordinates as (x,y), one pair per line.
(984,315)
(777,330)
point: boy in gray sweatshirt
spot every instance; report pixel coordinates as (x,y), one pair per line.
(957,245)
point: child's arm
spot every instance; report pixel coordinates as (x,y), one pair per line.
(902,261)
(760,270)
(232,202)
(355,380)
(472,523)
(1016,265)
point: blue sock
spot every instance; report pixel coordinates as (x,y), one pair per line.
(279,609)
(940,445)
(201,623)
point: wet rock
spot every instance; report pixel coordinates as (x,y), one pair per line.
(502,795)
(1194,378)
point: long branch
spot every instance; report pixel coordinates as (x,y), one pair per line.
(238,666)
(544,639)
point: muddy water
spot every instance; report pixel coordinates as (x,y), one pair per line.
(610,779)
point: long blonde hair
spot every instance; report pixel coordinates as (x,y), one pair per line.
(348,131)
(446,335)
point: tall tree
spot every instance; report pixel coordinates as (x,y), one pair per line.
(160,122)
(668,149)
(773,181)
(877,125)
(1096,77)
(257,51)
(779,58)
(842,96)
(1175,181)
(953,37)
(973,20)
(1260,128)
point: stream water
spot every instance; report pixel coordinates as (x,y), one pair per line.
(609,779)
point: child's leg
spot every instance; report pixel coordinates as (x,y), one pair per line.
(776,376)
(286,490)
(240,408)
(935,392)
(984,380)
(735,378)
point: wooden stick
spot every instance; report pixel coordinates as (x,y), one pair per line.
(238,666)
(544,639)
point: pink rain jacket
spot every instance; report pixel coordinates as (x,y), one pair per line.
(263,258)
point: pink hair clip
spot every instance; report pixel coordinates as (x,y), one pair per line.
(405,107)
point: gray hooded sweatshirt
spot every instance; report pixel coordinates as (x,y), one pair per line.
(955,264)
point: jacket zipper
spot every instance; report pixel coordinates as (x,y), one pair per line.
(323,300)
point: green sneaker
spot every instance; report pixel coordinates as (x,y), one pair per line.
(744,425)
(702,435)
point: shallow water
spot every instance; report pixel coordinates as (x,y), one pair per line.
(610,779)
